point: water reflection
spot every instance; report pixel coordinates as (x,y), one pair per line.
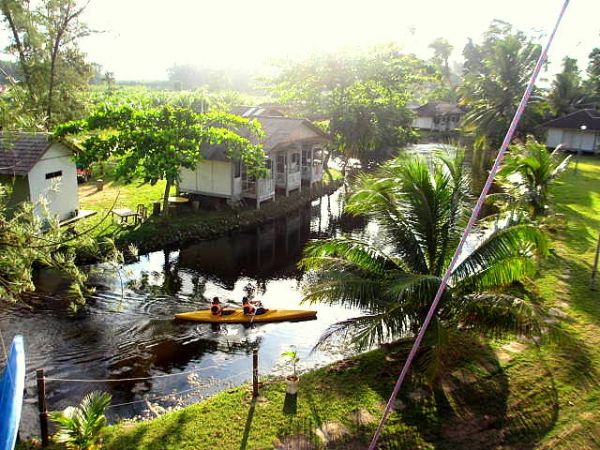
(127,330)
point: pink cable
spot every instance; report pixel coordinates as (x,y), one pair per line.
(472,219)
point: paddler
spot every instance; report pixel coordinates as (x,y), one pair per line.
(252,307)
(217,310)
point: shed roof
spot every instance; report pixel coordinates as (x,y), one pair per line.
(434,109)
(19,152)
(588,117)
(281,131)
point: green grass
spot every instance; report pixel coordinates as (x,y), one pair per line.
(501,394)
(160,232)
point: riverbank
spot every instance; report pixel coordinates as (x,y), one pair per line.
(498,394)
(158,232)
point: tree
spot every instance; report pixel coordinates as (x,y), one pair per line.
(567,93)
(496,75)
(44,39)
(421,209)
(154,144)
(28,244)
(527,174)
(593,82)
(361,98)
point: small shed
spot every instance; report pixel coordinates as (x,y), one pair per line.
(438,116)
(40,170)
(293,148)
(578,131)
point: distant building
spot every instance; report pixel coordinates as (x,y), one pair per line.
(40,170)
(294,157)
(578,131)
(438,116)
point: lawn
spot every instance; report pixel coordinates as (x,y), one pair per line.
(500,395)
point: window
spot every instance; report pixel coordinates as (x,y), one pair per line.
(56,174)
(237,169)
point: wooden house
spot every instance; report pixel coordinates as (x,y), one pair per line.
(293,150)
(438,116)
(40,170)
(578,131)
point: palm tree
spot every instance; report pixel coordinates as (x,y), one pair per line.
(421,208)
(527,175)
(79,427)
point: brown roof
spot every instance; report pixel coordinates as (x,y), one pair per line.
(434,109)
(281,131)
(588,117)
(19,152)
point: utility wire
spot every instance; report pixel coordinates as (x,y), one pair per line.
(541,61)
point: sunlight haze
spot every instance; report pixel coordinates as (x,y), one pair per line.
(141,39)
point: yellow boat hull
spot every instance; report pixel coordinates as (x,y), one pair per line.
(238,316)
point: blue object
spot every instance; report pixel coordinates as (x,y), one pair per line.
(12,385)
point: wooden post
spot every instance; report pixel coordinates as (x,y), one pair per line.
(41,388)
(595,269)
(254,373)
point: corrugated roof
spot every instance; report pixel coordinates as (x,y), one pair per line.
(574,121)
(438,109)
(19,152)
(279,132)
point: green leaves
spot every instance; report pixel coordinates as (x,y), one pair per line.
(155,143)
(80,427)
(421,207)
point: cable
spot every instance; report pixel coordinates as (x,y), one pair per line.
(472,219)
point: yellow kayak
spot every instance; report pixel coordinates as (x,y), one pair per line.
(238,316)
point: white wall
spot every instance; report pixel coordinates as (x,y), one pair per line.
(210,177)
(60,193)
(572,139)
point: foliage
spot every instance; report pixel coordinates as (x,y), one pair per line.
(80,427)
(291,356)
(567,93)
(421,209)
(154,144)
(53,71)
(362,101)
(28,244)
(592,84)
(496,75)
(527,174)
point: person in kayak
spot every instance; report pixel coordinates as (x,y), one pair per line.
(252,308)
(217,310)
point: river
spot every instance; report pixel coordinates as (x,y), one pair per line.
(126,342)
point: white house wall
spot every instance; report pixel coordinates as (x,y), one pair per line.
(59,192)
(572,139)
(554,138)
(211,178)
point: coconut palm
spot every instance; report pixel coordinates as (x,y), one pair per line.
(79,427)
(527,174)
(421,208)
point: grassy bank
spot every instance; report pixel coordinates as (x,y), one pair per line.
(498,395)
(159,232)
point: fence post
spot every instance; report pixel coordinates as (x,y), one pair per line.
(595,269)
(254,373)
(41,388)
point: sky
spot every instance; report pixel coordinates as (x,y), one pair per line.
(141,39)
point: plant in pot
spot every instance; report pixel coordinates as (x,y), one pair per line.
(291,380)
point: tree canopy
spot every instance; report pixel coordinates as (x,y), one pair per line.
(421,209)
(154,144)
(362,98)
(53,70)
(496,75)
